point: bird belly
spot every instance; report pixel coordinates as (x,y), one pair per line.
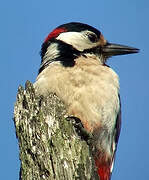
(90,93)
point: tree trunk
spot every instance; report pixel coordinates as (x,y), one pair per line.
(50,147)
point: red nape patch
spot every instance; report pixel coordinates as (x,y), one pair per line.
(103,170)
(55,33)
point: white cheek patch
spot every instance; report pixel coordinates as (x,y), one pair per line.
(76,39)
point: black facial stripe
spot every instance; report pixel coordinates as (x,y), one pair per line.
(67,50)
(62,47)
(66,55)
(95,50)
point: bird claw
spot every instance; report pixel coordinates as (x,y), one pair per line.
(80,130)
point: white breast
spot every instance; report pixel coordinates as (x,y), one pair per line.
(89,90)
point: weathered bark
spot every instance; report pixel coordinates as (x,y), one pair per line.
(50,147)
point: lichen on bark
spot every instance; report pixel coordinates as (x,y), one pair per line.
(50,147)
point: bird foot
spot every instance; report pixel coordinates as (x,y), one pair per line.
(80,130)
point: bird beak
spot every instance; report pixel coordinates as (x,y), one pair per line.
(110,49)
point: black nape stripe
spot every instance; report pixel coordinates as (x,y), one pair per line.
(66,54)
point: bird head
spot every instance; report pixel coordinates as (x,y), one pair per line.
(71,40)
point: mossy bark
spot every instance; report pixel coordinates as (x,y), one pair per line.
(50,147)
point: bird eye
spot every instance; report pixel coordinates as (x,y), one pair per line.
(93,38)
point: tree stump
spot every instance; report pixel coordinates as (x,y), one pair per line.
(50,147)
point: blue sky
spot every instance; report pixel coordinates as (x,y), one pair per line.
(25,24)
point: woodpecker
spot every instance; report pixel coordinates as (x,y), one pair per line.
(73,66)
